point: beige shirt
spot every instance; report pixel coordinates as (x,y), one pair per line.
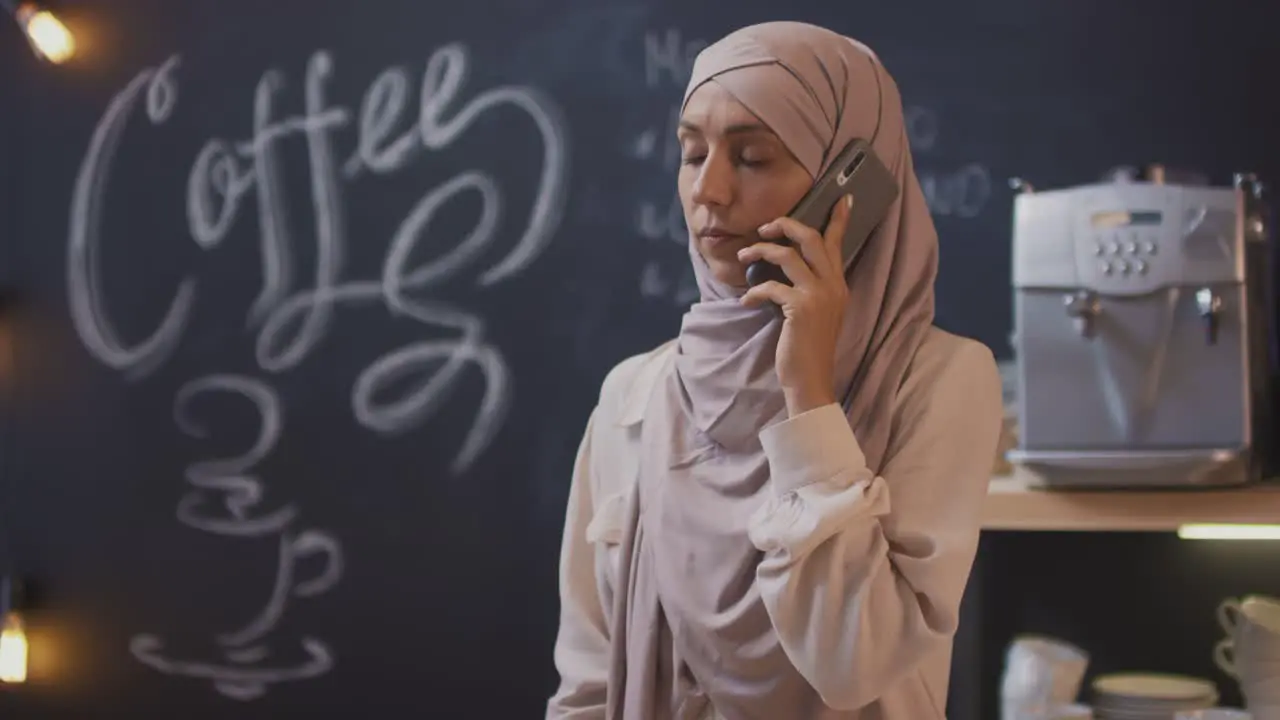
(899,547)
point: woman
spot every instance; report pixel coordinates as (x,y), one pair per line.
(740,543)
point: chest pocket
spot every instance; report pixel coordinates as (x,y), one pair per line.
(605,532)
(615,468)
(615,471)
(606,526)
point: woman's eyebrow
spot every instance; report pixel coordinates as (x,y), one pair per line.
(735,129)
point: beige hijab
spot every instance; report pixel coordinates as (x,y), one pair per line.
(689,625)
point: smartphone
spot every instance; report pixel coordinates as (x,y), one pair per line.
(856,171)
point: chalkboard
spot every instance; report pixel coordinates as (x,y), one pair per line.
(310,301)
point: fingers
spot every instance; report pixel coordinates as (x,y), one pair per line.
(834,233)
(806,240)
(824,252)
(772,291)
(784,256)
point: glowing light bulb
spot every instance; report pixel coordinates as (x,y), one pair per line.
(50,38)
(13,649)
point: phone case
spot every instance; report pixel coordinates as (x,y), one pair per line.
(857,171)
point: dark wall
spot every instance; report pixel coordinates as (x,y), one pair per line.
(413,431)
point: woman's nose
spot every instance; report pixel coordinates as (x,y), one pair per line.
(714,183)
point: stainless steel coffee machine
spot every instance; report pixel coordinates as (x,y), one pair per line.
(1144,332)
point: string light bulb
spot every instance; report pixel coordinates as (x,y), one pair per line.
(13,635)
(13,649)
(48,36)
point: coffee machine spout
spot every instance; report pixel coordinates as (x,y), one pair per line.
(1209,307)
(1083,308)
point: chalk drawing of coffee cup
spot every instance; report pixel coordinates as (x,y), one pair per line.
(246,670)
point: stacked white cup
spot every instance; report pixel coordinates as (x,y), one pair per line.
(1251,651)
(1042,678)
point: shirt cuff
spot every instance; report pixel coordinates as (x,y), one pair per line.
(813,446)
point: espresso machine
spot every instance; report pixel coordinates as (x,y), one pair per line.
(1145,333)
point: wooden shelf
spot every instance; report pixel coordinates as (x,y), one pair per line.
(1015,503)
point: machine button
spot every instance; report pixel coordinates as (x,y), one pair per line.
(1149,247)
(1105,267)
(1124,267)
(1141,267)
(1130,248)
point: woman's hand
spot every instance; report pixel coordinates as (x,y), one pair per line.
(812,308)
